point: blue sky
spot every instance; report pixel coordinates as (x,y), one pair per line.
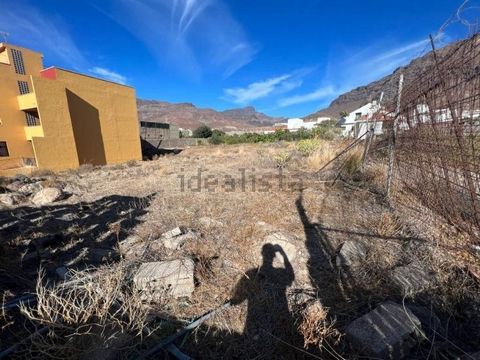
(285,57)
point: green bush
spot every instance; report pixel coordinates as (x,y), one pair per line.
(202,132)
(308,146)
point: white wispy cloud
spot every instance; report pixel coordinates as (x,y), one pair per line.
(374,62)
(261,89)
(41,31)
(193,36)
(108,75)
(316,95)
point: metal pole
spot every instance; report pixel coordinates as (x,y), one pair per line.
(394,137)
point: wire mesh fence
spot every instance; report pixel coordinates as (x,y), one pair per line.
(437,142)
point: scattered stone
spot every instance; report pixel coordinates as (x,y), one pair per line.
(176,242)
(14,186)
(286,242)
(174,232)
(210,223)
(388,332)
(351,253)
(11,199)
(72,189)
(266,227)
(47,196)
(31,188)
(411,279)
(157,279)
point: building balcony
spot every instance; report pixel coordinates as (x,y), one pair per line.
(33,131)
(27,101)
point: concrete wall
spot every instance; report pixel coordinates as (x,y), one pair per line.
(82,119)
(57,149)
(12,120)
(104,107)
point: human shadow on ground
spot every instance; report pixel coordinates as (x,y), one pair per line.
(74,236)
(270,331)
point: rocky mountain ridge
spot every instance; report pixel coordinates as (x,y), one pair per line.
(188,116)
(389,84)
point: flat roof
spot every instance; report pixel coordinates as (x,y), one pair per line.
(86,75)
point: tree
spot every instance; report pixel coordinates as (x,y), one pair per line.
(344,113)
(217,137)
(202,132)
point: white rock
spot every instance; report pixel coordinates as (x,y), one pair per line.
(351,253)
(286,242)
(175,243)
(30,188)
(157,279)
(209,222)
(11,199)
(174,232)
(47,196)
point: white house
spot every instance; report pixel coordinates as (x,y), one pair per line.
(296,124)
(355,123)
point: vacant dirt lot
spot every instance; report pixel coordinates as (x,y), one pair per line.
(268,237)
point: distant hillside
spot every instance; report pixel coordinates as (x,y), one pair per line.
(389,85)
(188,116)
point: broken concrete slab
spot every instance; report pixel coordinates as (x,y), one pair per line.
(351,253)
(174,232)
(412,279)
(388,332)
(30,188)
(173,277)
(47,196)
(176,242)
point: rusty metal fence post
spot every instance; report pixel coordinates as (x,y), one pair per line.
(393,137)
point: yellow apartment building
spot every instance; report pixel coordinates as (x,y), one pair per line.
(58,119)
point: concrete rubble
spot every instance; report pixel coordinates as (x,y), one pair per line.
(411,279)
(47,196)
(351,253)
(286,242)
(176,238)
(388,332)
(159,279)
(11,199)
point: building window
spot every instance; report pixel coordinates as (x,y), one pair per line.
(358,116)
(32,118)
(3,149)
(23,87)
(18,61)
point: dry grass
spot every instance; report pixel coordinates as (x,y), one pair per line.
(87,316)
(353,162)
(315,326)
(321,156)
(223,254)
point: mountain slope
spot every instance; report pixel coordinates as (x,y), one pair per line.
(388,84)
(188,116)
